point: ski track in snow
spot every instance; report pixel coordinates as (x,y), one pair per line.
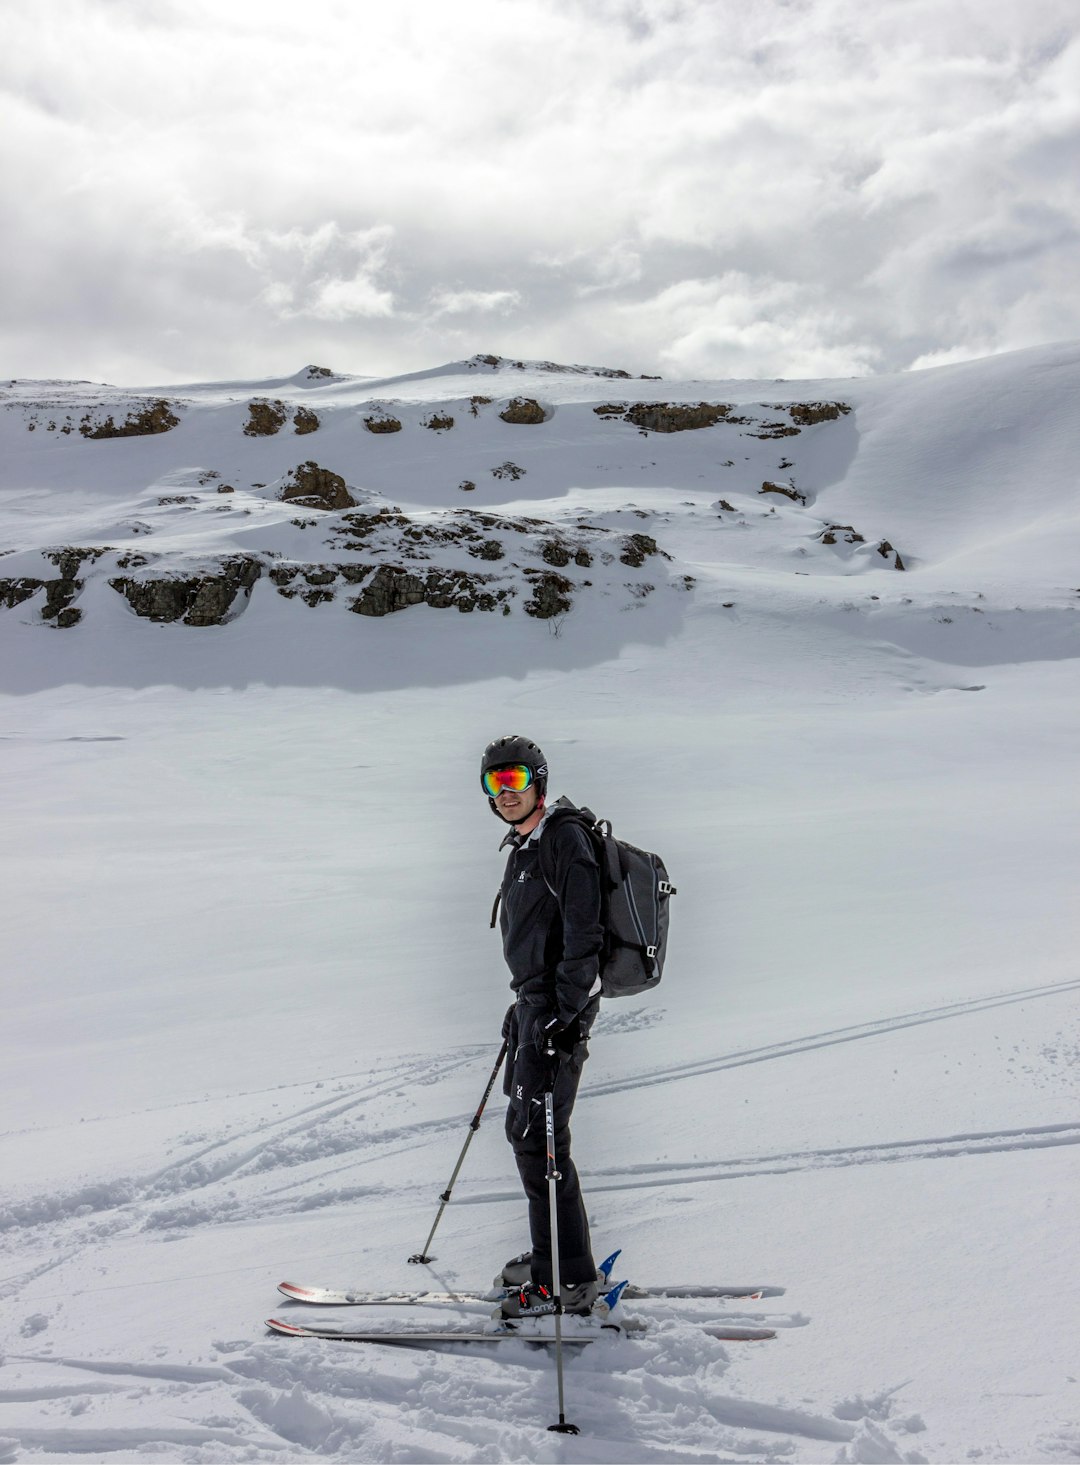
(307,1138)
(826,1039)
(335,1399)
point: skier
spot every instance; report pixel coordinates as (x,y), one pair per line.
(551,941)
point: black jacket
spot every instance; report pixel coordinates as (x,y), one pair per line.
(552,942)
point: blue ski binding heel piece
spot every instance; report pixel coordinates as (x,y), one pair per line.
(605,1266)
(610,1300)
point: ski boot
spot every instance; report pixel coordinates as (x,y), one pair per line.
(516,1272)
(533,1299)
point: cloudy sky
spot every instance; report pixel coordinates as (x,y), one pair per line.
(204,189)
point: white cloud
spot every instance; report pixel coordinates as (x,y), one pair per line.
(793,185)
(474,302)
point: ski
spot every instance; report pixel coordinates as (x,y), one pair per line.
(426,1338)
(335,1297)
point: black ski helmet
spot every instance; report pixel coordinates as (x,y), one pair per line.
(513,748)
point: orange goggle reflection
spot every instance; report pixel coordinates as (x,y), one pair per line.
(516,778)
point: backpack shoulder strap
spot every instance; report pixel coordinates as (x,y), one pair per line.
(599,831)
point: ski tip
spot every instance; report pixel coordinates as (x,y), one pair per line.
(277,1326)
(290,1289)
(606,1265)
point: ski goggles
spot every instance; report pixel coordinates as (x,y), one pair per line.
(514,778)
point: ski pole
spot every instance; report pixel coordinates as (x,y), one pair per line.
(474,1125)
(553,1177)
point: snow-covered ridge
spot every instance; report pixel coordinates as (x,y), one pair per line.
(251,996)
(339,494)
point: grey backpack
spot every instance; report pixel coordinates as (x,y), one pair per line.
(634,894)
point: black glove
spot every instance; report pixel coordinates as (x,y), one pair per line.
(507,1020)
(562,1036)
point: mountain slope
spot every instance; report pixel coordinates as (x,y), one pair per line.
(251,996)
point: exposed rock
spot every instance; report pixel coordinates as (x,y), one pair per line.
(583,558)
(475,403)
(60,593)
(467,485)
(317,488)
(807,413)
(313,372)
(305,421)
(829,534)
(265,418)
(13,592)
(226,488)
(393,588)
(667,416)
(177,498)
(553,552)
(788,491)
(155,417)
(508,470)
(775,429)
(885,549)
(438,422)
(197,600)
(483,360)
(551,595)
(490,549)
(637,547)
(523,411)
(410,538)
(723,504)
(382,422)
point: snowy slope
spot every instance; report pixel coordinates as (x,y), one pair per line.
(250,993)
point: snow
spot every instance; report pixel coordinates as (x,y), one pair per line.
(251,998)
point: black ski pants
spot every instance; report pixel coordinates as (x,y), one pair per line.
(529,1075)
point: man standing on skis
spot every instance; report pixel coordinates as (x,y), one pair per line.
(552,935)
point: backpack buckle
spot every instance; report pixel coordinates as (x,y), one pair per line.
(665,887)
(650,952)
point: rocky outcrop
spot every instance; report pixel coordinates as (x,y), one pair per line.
(550,595)
(808,413)
(316,488)
(205,599)
(768,430)
(475,403)
(523,411)
(885,550)
(60,592)
(382,422)
(834,532)
(637,548)
(789,491)
(392,588)
(666,416)
(305,421)
(15,591)
(265,418)
(438,422)
(314,373)
(154,417)
(508,470)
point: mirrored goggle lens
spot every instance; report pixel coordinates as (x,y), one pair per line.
(515,778)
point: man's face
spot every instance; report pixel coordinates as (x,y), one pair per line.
(514,807)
